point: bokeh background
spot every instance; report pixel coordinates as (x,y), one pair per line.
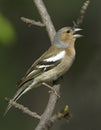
(21,44)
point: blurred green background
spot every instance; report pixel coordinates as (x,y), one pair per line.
(20,45)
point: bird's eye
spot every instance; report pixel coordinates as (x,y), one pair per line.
(68,31)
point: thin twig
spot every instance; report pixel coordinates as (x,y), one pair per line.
(45,18)
(32,22)
(23,109)
(82,13)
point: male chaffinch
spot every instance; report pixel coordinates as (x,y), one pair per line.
(52,64)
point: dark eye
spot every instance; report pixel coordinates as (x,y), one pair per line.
(68,31)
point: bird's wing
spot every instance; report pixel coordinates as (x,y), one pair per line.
(46,62)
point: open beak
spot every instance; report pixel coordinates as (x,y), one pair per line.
(77,35)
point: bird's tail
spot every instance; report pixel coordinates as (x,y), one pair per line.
(19,93)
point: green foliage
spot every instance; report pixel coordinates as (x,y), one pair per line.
(7,32)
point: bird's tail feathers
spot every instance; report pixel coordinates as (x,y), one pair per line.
(19,93)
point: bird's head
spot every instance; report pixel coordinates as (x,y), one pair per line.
(66,36)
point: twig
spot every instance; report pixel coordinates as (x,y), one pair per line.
(82,13)
(46,116)
(23,109)
(62,114)
(32,22)
(58,116)
(45,18)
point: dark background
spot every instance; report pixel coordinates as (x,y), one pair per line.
(81,86)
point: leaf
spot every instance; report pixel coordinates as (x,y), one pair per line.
(7,31)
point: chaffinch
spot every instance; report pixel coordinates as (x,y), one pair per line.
(52,64)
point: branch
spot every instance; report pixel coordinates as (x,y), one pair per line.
(23,109)
(32,22)
(46,116)
(45,18)
(64,113)
(79,20)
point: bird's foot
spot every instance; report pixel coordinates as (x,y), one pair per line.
(52,89)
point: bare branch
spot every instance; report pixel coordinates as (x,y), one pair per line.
(23,109)
(32,22)
(46,116)
(64,113)
(82,13)
(45,18)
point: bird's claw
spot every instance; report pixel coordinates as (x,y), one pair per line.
(51,89)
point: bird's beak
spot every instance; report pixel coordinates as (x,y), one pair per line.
(77,35)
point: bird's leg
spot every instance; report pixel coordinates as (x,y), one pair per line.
(50,87)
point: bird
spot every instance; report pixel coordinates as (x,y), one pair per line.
(52,64)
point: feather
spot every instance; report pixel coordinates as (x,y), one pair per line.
(47,61)
(20,92)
